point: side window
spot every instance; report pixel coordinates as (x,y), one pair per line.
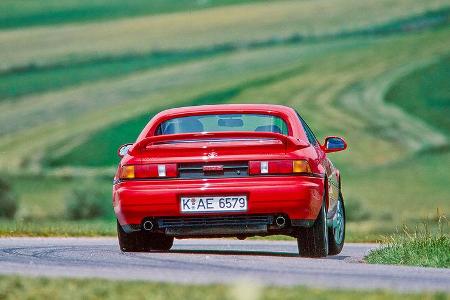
(309,134)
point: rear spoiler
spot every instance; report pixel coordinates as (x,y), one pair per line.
(289,141)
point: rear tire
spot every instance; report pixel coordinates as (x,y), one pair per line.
(128,242)
(159,242)
(313,241)
(336,234)
(141,241)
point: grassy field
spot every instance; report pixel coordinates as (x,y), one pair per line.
(203,28)
(51,12)
(425,93)
(44,288)
(72,91)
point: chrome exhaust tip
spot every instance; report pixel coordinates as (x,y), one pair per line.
(147,225)
(280,221)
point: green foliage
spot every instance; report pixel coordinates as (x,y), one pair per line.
(419,248)
(87,201)
(8,201)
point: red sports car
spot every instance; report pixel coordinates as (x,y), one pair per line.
(235,170)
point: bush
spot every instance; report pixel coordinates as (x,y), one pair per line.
(87,201)
(8,201)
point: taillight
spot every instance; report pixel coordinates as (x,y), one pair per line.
(300,166)
(127,172)
(149,171)
(278,167)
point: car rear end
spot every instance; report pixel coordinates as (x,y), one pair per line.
(229,183)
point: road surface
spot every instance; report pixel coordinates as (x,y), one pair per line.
(213,261)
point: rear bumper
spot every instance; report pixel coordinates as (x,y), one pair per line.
(297,197)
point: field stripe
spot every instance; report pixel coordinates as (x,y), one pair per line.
(22,80)
(200,28)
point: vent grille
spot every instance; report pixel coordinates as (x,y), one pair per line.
(215,221)
(230,170)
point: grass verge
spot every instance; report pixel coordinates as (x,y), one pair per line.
(107,228)
(57,228)
(420,248)
(13,287)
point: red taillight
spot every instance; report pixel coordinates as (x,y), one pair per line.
(149,171)
(278,167)
(254,167)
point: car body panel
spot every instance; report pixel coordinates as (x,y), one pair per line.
(297,196)
(299,199)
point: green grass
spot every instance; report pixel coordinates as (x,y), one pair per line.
(363,176)
(412,189)
(72,94)
(356,233)
(307,72)
(419,248)
(103,144)
(34,78)
(423,252)
(198,29)
(42,198)
(425,93)
(13,287)
(29,13)
(58,228)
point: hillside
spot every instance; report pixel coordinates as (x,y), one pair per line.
(72,91)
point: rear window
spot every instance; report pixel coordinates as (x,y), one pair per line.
(223,122)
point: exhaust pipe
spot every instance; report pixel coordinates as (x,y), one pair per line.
(280,221)
(147,225)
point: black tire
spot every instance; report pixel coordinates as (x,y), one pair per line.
(336,236)
(313,241)
(141,241)
(129,242)
(159,242)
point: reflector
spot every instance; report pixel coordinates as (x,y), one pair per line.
(264,167)
(162,170)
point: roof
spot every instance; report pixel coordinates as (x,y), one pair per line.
(228,107)
(288,113)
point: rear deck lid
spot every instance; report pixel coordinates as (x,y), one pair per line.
(215,146)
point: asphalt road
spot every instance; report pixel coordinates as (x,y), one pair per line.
(213,261)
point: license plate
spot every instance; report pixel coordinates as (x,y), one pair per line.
(213,204)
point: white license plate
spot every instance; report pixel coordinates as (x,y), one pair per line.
(213,204)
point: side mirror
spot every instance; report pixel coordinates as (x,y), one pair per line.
(334,144)
(123,150)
